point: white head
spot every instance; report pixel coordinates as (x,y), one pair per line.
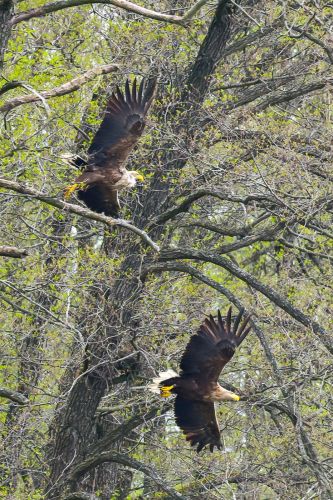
(136,176)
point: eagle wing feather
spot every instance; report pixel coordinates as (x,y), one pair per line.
(210,349)
(122,126)
(197,419)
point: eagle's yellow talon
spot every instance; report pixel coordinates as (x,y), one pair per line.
(71,189)
(165,391)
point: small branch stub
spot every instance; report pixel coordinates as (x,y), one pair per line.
(14,252)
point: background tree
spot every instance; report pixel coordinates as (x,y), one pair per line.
(237,207)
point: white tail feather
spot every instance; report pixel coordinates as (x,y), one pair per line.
(154,386)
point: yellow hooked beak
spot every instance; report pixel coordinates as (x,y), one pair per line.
(138,176)
(235,397)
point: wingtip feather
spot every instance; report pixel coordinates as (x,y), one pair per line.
(228,320)
(128,92)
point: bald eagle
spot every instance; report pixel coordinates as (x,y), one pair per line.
(197,386)
(104,173)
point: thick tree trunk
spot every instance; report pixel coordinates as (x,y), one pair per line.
(6,13)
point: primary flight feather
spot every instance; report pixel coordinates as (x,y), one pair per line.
(197,386)
(104,173)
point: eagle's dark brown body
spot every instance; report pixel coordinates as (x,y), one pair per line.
(197,386)
(104,173)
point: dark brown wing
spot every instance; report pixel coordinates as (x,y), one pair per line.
(122,125)
(197,419)
(213,346)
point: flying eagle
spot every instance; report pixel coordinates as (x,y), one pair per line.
(197,386)
(104,173)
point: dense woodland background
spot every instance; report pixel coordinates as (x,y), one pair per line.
(236,207)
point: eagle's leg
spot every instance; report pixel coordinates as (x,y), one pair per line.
(166,390)
(74,187)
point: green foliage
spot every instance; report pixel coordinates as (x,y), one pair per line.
(59,304)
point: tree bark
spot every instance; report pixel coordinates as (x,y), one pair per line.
(6,13)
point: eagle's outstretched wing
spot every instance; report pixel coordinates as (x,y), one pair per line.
(197,419)
(213,346)
(123,124)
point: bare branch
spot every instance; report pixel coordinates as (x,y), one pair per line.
(14,252)
(15,396)
(193,10)
(10,86)
(123,4)
(267,234)
(65,88)
(252,37)
(76,209)
(200,193)
(305,250)
(226,230)
(286,95)
(315,40)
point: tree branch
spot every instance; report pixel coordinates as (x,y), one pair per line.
(241,231)
(76,209)
(122,4)
(15,396)
(65,88)
(273,295)
(200,193)
(112,456)
(291,93)
(315,40)
(14,252)
(124,429)
(267,234)
(252,37)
